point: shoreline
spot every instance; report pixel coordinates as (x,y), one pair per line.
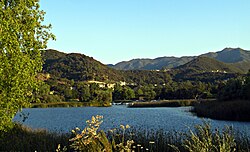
(66,104)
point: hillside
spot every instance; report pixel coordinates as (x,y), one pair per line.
(230,55)
(77,67)
(206,64)
(206,69)
(237,57)
(152,64)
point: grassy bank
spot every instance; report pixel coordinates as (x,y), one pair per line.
(163,103)
(67,104)
(237,110)
(22,138)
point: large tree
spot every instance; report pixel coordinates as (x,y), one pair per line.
(22,37)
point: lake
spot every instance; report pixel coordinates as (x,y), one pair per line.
(168,119)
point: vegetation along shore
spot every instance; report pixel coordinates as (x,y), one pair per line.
(163,103)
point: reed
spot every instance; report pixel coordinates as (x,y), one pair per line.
(67,104)
(163,103)
(237,110)
(22,138)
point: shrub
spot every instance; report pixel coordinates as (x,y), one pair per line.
(204,139)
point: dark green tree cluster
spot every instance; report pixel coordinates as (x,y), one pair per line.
(238,88)
(58,90)
(123,93)
(185,90)
(172,90)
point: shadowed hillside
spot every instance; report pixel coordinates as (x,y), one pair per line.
(77,67)
(205,64)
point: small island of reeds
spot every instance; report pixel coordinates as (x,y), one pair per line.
(163,103)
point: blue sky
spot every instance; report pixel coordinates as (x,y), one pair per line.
(119,30)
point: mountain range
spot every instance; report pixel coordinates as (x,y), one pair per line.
(206,67)
(232,57)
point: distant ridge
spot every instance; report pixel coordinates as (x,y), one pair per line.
(152,64)
(237,57)
(230,55)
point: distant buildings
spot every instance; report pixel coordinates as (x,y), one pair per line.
(106,85)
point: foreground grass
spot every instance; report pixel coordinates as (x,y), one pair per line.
(21,138)
(202,138)
(237,110)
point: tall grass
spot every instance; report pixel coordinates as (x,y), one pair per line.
(204,139)
(163,103)
(237,110)
(21,138)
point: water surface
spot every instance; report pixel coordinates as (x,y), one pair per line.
(168,119)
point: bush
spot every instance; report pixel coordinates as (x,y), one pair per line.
(204,139)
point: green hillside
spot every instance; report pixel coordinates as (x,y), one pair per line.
(77,67)
(205,64)
(237,57)
(206,70)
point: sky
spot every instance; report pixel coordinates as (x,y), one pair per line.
(111,31)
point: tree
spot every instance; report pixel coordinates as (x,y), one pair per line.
(246,88)
(118,92)
(148,91)
(233,89)
(128,93)
(22,37)
(83,91)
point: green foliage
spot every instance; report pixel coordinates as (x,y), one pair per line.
(22,36)
(204,139)
(238,88)
(231,90)
(83,91)
(77,67)
(22,138)
(148,92)
(123,93)
(246,87)
(103,97)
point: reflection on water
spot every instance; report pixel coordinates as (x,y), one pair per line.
(168,119)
